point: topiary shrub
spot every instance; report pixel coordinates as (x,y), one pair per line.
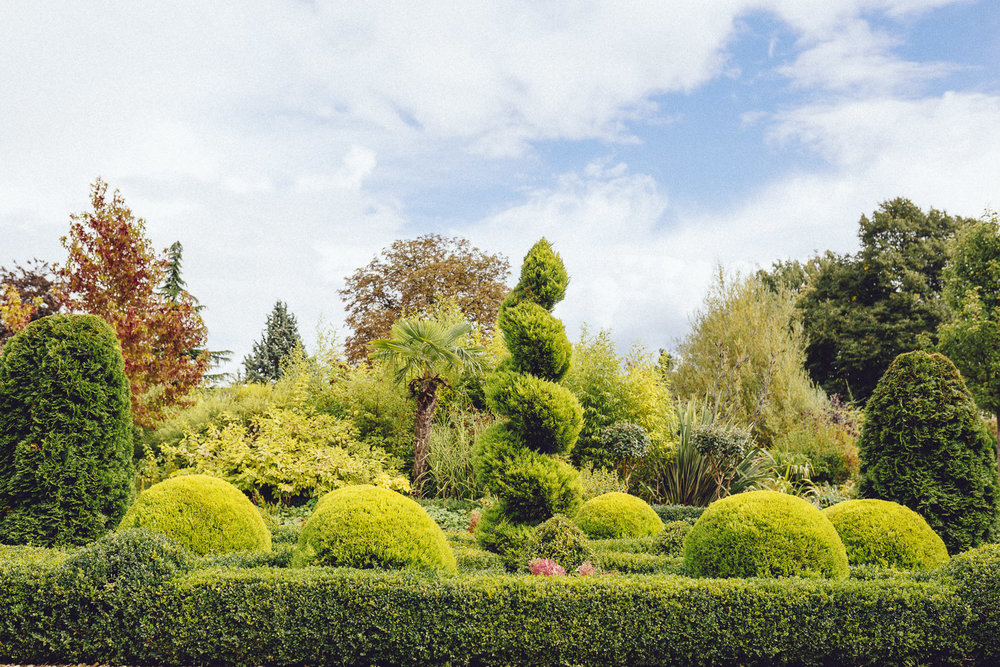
(514,460)
(671,539)
(764,534)
(66,472)
(886,534)
(559,539)
(615,515)
(924,445)
(134,558)
(366,526)
(204,514)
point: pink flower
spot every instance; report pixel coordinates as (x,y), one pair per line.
(586,569)
(546,567)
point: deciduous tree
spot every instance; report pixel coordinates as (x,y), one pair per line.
(113,271)
(411,277)
(27,293)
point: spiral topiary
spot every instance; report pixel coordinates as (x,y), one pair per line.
(66,472)
(367,526)
(205,514)
(614,515)
(886,534)
(764,534)
(517,460)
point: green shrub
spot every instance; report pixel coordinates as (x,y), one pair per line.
(537,341)
(366,526)
(504,537)
(134,558)
(66,472)
(560,540)
(546,415)
(543,278)
(976,576)
(671,539)
(618,515)
(764,534)
(598,481)
(626,562)
(924,445)
(886,534)
(202,513)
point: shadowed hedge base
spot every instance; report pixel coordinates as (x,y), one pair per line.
(613,515)
(366,526)
(356,617)
(66,472)
(886,534)
(924,445)
(204,514)
(764,534)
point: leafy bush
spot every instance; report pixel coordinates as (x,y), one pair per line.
(627,444)
(508,539)
(827,436)
(134,558)
(924,445)
(202,513)
(976,576)
(559,539)
(546,567)
(689,513)
(671,539)
(764,534)
(618,515)
(66,473)
(597,481)
(886,534)
(366,526)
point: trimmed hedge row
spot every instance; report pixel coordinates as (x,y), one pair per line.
(343,616)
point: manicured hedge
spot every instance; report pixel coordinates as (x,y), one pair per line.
(343,616)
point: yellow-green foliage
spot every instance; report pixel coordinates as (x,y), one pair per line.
(614,515)
(764,534)
(284,455)
(886,534)
(367,526)
(205,514)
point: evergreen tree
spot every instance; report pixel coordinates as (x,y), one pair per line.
(66,473)
(924,445)
(280,338)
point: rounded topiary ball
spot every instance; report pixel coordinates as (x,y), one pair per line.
(616,514)
(886,534)
(204,514)
(366,526)
(764,534)
(560,540)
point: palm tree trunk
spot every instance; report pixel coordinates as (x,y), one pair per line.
(426,396)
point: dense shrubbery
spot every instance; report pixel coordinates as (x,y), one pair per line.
(204,514)
(366,526)
(618,515)
(66,473)
(764,534)
(560,540)
(924,445)
(886,534)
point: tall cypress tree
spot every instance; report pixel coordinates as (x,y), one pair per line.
(281,337)
(924,445)
(66,472)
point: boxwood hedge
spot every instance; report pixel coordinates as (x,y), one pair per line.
(344,616)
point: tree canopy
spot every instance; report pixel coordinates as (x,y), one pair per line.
(113,271)
(279,340)
(27,293)
(411,276)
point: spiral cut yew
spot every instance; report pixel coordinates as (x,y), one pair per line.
(517,460)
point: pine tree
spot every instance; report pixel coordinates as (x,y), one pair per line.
(280,338)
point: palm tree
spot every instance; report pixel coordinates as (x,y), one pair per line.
(422,352)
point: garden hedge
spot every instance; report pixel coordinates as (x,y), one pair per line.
(343,616)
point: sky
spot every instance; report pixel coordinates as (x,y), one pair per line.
(285,143)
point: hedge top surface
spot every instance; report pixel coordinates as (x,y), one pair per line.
(366,526)
(616,514)
(764,534)
(203,513)
(886,534)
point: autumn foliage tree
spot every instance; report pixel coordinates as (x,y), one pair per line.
(27,293)
(113,271)
(411,277)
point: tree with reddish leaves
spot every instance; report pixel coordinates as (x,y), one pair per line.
(412,278)
(113,271)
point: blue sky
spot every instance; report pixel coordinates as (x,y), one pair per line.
(285,143)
